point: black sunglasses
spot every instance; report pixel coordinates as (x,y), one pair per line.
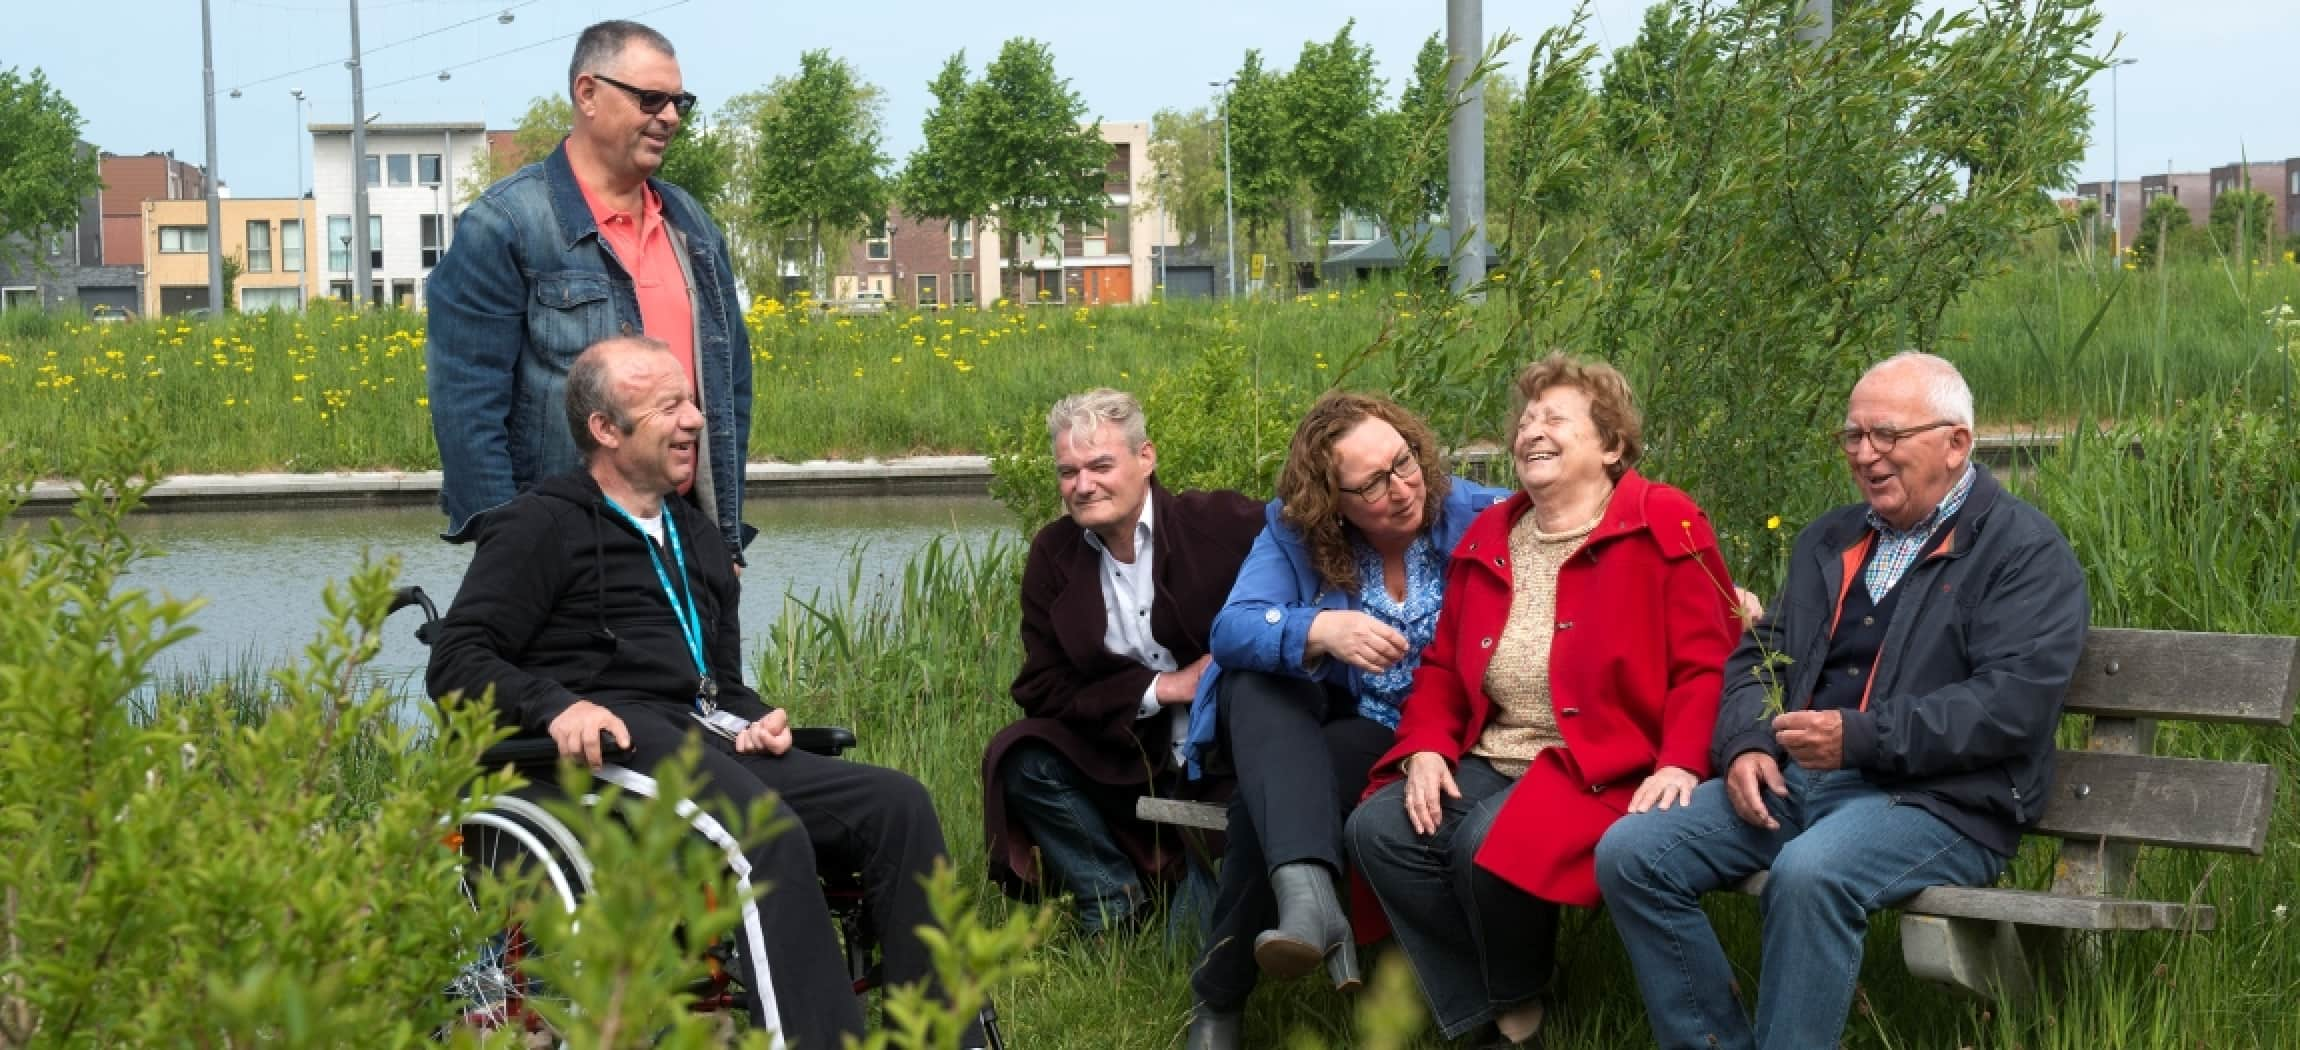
(650,101)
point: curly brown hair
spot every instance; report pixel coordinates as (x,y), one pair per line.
(1311,493)
(1612,407)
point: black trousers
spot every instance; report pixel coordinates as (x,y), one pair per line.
(851,816)
(1302,753)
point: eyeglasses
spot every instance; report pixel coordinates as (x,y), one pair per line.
(1883,438)
(651,101)
(1377,488)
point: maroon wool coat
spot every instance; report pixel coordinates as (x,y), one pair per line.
(1080,698)
(1646,616)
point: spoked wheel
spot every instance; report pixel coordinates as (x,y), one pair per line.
(496,989)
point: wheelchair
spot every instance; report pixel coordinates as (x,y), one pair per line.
(515,834)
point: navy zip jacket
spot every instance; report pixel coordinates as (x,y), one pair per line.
(1967,690)
(562,604)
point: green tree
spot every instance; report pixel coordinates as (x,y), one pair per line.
(1186,152)
(1783,215)
(1640,84)
(44,170)
(1015,145)
(1261,171)
(942,179)
(818,169)
(2161,223)
(2240,223)
(1419,137)
(1335,131)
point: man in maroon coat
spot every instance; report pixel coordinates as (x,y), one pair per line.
(1117,598)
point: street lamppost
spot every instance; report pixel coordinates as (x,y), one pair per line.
(362,273)
(2115,152)
(1229,208)
(302,221)
(1164,179)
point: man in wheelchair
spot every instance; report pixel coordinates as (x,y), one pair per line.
(601,602)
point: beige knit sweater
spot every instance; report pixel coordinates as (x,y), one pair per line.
(1517,681)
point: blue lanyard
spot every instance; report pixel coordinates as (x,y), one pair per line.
(682,599)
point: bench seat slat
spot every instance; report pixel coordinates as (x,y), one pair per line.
(2158,801)
(2031,908)
(1186,814)
(2187,676)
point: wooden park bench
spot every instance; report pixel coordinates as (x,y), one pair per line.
(2109,799)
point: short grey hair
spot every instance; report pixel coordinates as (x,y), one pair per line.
(591,389)
(1082,414)
(602,44)
(1946,392)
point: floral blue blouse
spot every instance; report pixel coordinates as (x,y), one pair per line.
(1380,696)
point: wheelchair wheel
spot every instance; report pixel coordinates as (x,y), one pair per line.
(495,989)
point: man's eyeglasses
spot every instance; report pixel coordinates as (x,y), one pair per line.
(1882,438)
(651,101)
(1377,488)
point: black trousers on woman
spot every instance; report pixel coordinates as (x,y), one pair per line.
(1302,753)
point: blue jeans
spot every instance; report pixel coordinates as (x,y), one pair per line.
(1845,848)
(1478,945)
(1056,802)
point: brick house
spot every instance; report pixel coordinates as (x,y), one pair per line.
(933,263)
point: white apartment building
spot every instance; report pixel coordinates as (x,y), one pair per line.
(411,171)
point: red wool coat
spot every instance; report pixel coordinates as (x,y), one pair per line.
(1645,619)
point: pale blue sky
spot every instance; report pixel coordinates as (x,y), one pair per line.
(2213,78)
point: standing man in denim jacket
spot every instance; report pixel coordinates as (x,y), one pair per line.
(584,245)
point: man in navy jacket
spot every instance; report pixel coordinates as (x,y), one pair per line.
(1920,648)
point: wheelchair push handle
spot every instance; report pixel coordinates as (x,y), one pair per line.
(414,596)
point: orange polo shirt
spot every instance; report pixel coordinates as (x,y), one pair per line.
(643,245)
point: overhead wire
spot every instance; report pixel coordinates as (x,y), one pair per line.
(493,12)
(428,73)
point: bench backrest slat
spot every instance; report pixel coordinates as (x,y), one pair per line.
(2187,676)
(2160,801)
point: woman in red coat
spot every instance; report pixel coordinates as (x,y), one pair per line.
(1574,678)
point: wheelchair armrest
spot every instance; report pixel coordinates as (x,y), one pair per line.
(538,752)
(831,741)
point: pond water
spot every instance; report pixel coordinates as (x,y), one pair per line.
(262,572)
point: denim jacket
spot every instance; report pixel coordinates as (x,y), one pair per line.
(1266,623)
(527,284)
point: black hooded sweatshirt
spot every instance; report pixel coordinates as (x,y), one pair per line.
(561,603)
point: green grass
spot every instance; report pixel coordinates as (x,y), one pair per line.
(331,391)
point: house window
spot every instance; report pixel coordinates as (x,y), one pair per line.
(19,299)
(962,238)
(183,239)
(875,246)
(1093,238)
(403,293)
(257,300)
(339,248)
(401,169)
(374,170)
(929,290)
(340,290)
(434,239)
(427,168)
(2296,183)
(375,246)
(962,288)
(1114,228)
(291,245)
(259,246)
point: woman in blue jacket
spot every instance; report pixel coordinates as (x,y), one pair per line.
(1313,654)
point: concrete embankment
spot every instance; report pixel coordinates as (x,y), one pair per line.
(908,476)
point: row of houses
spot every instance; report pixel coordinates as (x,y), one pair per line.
(2196,190)
(141,244)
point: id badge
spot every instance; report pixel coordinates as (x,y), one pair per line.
(723,722)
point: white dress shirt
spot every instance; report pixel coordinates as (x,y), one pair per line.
(1128,592)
